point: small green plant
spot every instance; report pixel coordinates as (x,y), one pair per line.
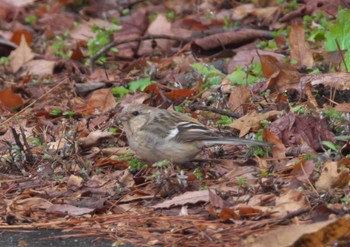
(259,151)
(179,109)
(56,112)
(133,86)
(59,46)
(299,109)
(227,22)
(152,16)
(264,174)
(271,45)
(339,34)
(87,165)
(242,182)
(248,76)
(4,61)
(336,120)
(308,156)
(125,11)
(102,38)
(119,91)
(345,200)
(288,5)
(135,163)
(31,20)
(112,130)
(224,120)
(35,140)
(199,175)
(126,155)
(170,15)
(315,32)
(68,113)
(212,76)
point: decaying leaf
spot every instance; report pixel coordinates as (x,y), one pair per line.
(251,121)
(333,176)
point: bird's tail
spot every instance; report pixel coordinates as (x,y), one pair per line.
(235,141)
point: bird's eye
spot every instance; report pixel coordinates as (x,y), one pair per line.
(135,113)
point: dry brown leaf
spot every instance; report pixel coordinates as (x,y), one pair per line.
(238,100)
(75,181)
(343,107)
(295,129)
(228,214)
(281,76)
(245,57)
(333,176)
(21,55)
(191,197)
(290,202)
(251,121)
(69,210)
(162,26)
(327,236)
(309,235)
(267,12)
(278,149)
(300,51)
(39,67)
(100,101)
(339,80)
(10,99)
(229,40)
(93,138)
(20,3)
(242,11)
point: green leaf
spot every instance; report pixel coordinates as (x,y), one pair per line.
(340,31)
(119,91)
(68,113)
(56,112)
(139,84)
(330,145)
(241,78)
(224,120)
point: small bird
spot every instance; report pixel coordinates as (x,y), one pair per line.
(158,134)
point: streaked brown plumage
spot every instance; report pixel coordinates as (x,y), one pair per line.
(157,134)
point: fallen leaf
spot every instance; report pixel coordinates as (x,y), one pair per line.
(10,99)
(21,55)
(251,121)
(300,51)
(100,101)
(38,67)
(289,202)
(333,176)
(308,235)
(69,210)
(191,197)
(278,149)
(238,100)
(93,138)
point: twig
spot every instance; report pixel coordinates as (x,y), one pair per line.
(213,109)
(25,108)
(114,43)
(29,155)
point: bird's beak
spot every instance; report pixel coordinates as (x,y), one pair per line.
(123,117)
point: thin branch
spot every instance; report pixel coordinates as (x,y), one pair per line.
(25,108)
(114,43)
(213,109)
